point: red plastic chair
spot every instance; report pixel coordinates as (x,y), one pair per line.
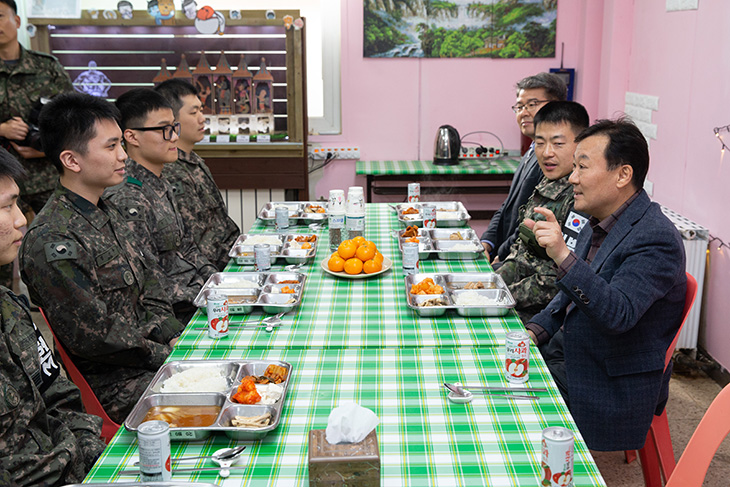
(91,402)
(657,455)
(712,430)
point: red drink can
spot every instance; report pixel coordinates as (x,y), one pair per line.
(414,192)
(429,216)
(153,438)
(517,356)
(217,315)
(557,457)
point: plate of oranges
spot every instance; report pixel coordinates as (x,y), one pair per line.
(356,258)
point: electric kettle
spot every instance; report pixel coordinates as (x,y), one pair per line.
(447,146)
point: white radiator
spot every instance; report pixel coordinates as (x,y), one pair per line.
(696,240)
(244,204)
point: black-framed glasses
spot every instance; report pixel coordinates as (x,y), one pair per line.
(167,130)
(530,105)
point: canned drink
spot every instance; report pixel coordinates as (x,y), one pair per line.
(153,438)
(262,257)
(429,216)
(282,218)
(414,192)
(410,258)
(557,457)
(517,356)
(217,315)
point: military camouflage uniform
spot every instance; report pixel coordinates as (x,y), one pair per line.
(45,437)
(148,204)
(201,207)
(528,271)
(103,297)
(35,75)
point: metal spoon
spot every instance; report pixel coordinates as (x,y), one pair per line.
(225,463)
(225,454)
(313,227)
(293,267)
(274,321)
(460,390)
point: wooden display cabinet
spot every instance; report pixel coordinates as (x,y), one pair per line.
(129,53)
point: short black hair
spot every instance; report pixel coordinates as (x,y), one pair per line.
(11,4)
(136,104)
(570,112)
(10,167)
(553,85)
(68,122)
(626,145)
(124,3)
(174,90)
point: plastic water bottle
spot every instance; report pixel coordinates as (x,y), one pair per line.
(355,212)
(336,218)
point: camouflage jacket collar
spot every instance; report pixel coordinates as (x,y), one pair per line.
(95,215)
(145,178)
(25,65)
(189,157)
(554,190)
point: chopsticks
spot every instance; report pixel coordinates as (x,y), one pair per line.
(459,390)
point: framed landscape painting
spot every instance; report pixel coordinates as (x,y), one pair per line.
(459,28)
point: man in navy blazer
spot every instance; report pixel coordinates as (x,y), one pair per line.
(606,333)
(532,93)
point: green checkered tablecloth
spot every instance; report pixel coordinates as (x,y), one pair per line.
(424,439)
(341,313)
(504,165)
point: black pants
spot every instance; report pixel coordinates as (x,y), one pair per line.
(552,353)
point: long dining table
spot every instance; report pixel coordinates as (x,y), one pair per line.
(356,340)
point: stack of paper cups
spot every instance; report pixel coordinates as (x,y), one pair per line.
(336,217)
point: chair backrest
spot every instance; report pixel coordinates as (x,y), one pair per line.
(712,430)
(91,402)
(689,298)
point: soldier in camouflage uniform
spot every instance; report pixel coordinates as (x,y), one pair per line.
(147,200)
(45,437)
(26,77)
(105,299)
(198,197)
(528,271)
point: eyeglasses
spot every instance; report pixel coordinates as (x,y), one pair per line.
(167,130)
(530,106)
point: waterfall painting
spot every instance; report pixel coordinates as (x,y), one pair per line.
(459,28)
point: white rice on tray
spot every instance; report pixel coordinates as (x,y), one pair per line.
(473,298)
(262,239)
(237,284)
(466,247)
(196,379)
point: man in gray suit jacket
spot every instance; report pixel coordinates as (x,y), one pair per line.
(606,333)
(532,93)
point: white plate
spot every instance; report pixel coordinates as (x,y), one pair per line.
(387,264)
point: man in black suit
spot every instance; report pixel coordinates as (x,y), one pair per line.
(532,93)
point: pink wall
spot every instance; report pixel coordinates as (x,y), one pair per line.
(684,59)
(391,108)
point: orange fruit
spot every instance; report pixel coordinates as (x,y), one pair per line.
(378,257)
(353,266)
(365,252)
(359,240)
(371,266)
(336,263)
(370,243)
(347,249)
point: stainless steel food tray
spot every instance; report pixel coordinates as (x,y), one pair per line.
(453,283)
(286,249)
(298,214)
(448,214)
(235,371)
(437,241)
(265,296)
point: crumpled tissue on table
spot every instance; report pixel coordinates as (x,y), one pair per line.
(350,423)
